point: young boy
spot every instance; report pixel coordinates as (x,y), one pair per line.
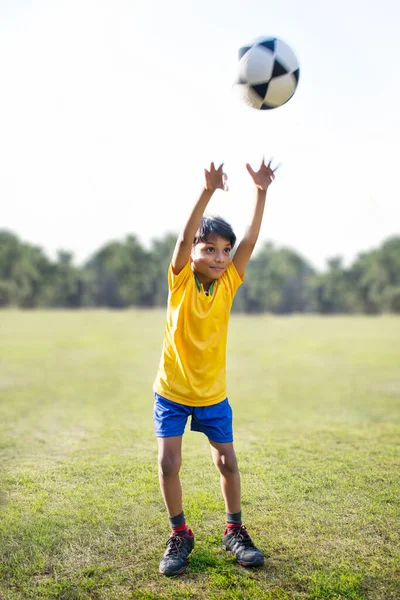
(203,280)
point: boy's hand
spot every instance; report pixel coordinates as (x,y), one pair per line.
(264,176)
(215,178)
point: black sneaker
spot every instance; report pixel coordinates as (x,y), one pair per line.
(174,560)
(238,541)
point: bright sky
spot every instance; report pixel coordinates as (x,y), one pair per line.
(110,110)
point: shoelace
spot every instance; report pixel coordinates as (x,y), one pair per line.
(174,543)
(242,536)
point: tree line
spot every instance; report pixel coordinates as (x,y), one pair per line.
(125,274)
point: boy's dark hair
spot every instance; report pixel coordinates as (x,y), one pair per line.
(210,226)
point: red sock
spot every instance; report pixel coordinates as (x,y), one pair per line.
(180,528)
(183,530)
(231,527)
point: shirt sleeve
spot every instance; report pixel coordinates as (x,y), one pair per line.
(176,281)
(232,279)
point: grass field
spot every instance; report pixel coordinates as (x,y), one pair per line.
(316,419)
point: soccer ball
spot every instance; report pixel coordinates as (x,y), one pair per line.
(268,73)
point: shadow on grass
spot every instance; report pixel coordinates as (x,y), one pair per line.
(204,560)
(274,581)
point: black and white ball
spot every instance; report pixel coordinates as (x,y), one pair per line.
(268,73)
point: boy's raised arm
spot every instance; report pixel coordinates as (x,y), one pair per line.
(262,179)
(213,180)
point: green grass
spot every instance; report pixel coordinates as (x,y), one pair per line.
(316,419)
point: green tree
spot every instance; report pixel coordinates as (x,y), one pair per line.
(23,271)
(377,277)
(335,290)
(390,258)
(370,277)
(160,259)
(121,274)
(277,280)
(124,273)
(65,287)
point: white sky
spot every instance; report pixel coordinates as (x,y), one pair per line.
(110,110)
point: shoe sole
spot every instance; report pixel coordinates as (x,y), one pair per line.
(174,574)
(257,564)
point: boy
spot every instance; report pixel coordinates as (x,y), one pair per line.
(203,280)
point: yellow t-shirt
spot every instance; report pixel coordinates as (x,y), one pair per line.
(192,369)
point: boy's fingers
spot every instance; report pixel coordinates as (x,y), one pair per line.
(250,170)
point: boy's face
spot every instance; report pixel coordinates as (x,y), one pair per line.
(211,258)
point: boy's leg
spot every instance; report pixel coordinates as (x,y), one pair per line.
(169,464)
(224,458)
(181,541)
(236,539)
(170,421)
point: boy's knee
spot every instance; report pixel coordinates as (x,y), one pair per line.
(227,464)
(169,464)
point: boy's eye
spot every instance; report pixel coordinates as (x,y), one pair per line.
(227,250)
(209,249)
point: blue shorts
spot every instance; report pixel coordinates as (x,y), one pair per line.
(215,421)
